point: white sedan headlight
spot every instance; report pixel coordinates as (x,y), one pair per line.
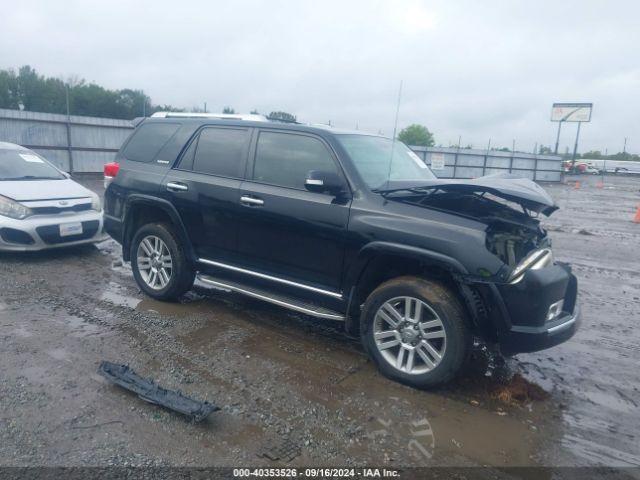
(95,203)
(12,209)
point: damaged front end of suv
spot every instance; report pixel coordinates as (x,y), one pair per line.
(528,302)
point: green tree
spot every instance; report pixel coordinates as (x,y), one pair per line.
(228,110)
(282,117)
(9,92)
(28,90)
(592,154)
(416,135)
(544,150)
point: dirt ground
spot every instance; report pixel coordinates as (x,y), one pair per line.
(289,382)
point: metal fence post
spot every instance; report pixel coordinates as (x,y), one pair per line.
(69,150)
(513,154)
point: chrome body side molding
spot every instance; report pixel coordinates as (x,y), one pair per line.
(269,277)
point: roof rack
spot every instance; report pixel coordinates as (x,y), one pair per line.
(251,117)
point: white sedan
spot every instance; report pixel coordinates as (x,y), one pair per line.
(41,207)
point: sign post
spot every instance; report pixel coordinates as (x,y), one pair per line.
(571,112)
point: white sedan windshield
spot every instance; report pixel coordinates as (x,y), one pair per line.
(25,165)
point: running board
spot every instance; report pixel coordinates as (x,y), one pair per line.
(278,299)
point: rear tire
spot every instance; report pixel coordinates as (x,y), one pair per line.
(159,263)
(415,331)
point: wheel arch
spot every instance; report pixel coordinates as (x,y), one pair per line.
(378,262)
(143,209)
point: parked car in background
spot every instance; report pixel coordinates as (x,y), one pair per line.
(41,207)
(580,167)
(343,226)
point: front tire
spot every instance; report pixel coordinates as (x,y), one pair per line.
(415,331)
(159,263)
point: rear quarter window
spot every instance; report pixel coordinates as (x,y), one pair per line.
(147,141)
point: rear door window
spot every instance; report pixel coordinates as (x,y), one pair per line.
(147,141)
(285,159)
(221,152)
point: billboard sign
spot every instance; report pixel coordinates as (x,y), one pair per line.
(571,112)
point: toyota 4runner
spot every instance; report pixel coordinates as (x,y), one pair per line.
(343,226)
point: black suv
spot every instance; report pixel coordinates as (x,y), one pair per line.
(342,226)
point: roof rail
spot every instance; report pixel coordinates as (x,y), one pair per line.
(223,116)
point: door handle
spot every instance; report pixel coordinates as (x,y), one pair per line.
(177,187)
(251,201)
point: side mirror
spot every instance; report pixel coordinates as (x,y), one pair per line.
(319,181)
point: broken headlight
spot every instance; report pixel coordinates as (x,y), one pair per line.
(12,209)
(535,260)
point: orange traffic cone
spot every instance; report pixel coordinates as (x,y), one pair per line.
(577,185)
(636,219)
(600,185)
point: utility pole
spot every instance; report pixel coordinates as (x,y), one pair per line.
(205,107)
(69,129)
(558,137)
(624,148)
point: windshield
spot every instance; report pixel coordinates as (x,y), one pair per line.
(372,155)
(26,165)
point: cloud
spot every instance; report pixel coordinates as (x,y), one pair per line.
(478,70)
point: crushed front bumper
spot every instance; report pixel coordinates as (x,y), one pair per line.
(525,307)
(532,339)
(40,232)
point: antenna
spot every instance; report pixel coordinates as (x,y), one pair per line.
(395,124)
(395,128)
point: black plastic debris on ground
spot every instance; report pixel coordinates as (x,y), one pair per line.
(284,450)
(147,390)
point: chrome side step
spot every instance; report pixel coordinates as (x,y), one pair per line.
(281,300)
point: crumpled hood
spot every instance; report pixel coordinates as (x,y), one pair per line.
(24,190)
(504,185)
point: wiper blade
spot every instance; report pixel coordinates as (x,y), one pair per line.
(413,190)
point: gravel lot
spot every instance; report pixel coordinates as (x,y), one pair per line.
(283,379)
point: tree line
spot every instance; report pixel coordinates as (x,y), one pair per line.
(26,89)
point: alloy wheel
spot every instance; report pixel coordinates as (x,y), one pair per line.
(409,335)
(154,262)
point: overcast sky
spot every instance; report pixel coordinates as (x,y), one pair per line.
(481,70)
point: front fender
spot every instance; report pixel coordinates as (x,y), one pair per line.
(373,249)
